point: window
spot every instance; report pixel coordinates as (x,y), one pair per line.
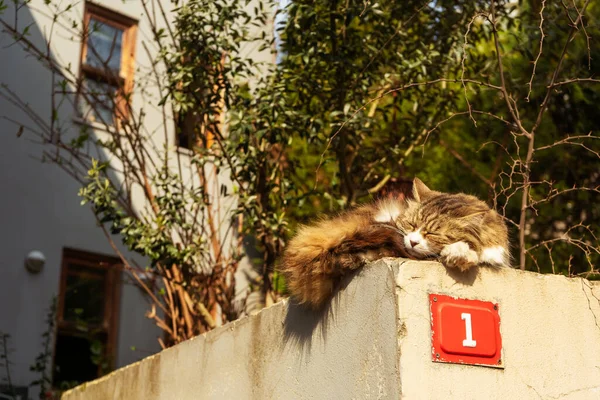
(187,124)
(87,314)
(281,19)
(107,65)
(191,130)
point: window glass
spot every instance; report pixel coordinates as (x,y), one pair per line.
(73,361)
(104,46)
(84,295)
(85,330)
(101,101)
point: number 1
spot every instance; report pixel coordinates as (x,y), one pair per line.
(468,342)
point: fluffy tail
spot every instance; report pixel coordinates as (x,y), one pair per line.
(319,255)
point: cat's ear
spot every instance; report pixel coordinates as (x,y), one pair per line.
(421,192)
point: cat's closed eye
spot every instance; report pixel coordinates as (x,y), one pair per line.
(436,235)
(407,226)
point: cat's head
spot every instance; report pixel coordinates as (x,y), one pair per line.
(433,220)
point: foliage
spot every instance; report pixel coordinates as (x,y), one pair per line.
(540,144)
(5,362)
(43,362)
(337,80)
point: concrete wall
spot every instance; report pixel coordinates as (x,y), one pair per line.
(549,326)
(374,342)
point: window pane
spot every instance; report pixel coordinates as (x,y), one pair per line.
(99,101)
(104,46)
(84,295)
(73,362)
(186,125)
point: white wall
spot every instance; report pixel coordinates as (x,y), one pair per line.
(549,326)
(39,206)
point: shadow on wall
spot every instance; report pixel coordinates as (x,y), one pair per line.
(302,324)
(43,203)
(467,277)
(31,213)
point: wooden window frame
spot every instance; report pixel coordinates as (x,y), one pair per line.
(112,267)
(124,79)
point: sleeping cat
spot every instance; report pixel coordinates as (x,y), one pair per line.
(459,230)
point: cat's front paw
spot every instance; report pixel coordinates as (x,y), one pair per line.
(496,256)
(459,255)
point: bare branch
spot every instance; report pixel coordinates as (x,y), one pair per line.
(569,81)
(542,36)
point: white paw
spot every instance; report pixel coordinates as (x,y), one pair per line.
(495,256)
(459,250)
(459,255)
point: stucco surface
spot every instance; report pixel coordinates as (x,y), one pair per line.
(549,326)
(374,342)
(284,352)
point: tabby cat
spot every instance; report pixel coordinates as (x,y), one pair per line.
(458,229)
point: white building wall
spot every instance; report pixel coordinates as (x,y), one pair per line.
(39,206)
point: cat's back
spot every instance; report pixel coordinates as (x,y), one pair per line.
(456,205)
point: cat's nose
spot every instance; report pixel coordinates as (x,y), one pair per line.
(413,243)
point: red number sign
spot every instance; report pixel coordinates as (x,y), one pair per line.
(465,331)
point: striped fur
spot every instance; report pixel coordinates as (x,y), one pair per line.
(320,254)
(442,220)
(460,230)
